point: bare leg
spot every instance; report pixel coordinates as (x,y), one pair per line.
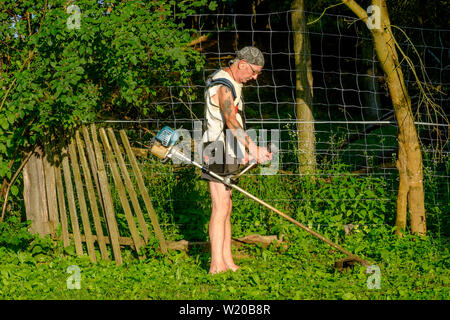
(227,256)
(221,206)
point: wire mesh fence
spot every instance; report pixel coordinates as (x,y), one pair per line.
(355,127)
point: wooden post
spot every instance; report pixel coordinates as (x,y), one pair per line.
(93,165)
(61,203)
(304,90)
(72,205)
(50,188)
(34,194)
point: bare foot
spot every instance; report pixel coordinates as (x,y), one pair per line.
(233,267)
(218,269)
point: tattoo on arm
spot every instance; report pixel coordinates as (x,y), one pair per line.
(231,121)
(227,107)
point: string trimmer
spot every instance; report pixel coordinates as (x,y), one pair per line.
(164,147)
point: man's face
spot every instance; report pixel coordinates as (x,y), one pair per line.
(248,71)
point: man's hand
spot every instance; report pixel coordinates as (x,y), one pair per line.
(261,154)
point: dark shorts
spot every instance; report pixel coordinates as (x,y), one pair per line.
(222,169)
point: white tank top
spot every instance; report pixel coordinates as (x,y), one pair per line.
(214,117)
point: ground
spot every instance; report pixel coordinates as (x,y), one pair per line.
(409,268)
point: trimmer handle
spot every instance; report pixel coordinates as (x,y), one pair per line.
(252,165)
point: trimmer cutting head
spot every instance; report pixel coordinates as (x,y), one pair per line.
(349,262)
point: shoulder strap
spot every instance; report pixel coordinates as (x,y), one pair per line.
(212,82)
(224,82)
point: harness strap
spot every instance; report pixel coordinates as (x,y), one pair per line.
(212,82)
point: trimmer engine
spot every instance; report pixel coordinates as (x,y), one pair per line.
(163,142)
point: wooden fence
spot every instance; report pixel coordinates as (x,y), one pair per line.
(74,186)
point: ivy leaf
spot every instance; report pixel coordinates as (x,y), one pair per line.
(212,6)
(351,192)
(4,123)
(14,190)
(11,117)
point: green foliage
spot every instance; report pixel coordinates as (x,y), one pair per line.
(14,234)
(410,268)
(117,62)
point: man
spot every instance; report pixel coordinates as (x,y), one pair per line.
(223,112)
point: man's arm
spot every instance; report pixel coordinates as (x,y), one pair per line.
(228,109)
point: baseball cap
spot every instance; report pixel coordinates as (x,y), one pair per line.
(252,55)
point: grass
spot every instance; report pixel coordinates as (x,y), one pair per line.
(410,268)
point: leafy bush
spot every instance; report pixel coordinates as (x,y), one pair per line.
(115,63)
(14,234)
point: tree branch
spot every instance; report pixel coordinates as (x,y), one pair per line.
(197,41)
(12,181)
(357,10)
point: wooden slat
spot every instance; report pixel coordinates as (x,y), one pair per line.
(82,201)
(93,165)
(107,198)
(61,204)
(92,198)
(144,193)
(72,206)
(50,188)
(121,190)
(34,196)
(129,185)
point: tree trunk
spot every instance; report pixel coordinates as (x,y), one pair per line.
(409,163)
(304,90)
(369,83)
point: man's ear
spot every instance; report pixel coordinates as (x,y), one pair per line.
(241,64)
